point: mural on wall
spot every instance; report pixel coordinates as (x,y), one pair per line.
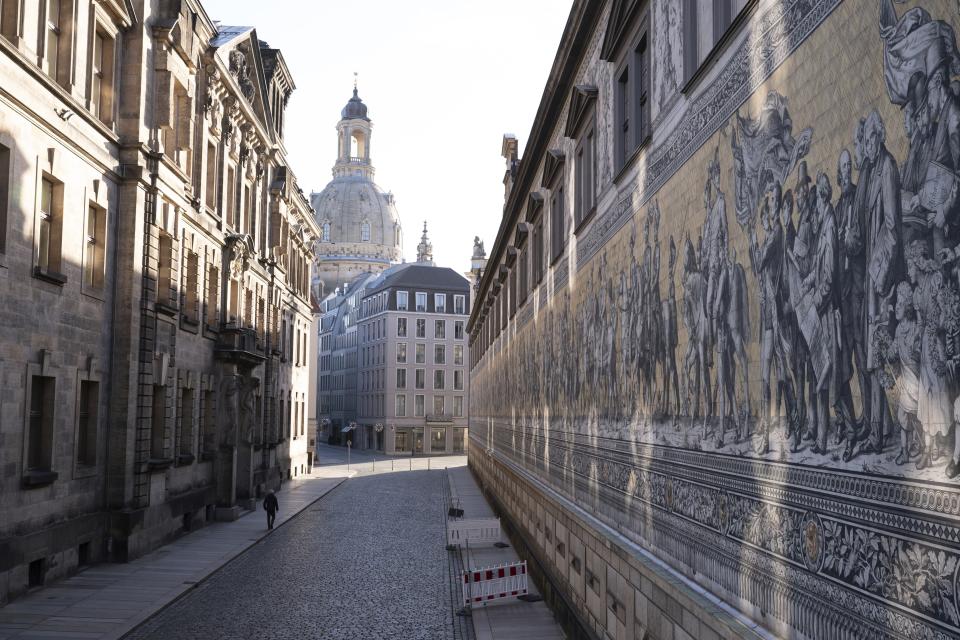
(830,252)
(829,341)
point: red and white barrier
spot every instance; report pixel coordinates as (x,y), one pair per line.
(476,532)
(481,586)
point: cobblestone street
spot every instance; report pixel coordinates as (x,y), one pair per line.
(365,562)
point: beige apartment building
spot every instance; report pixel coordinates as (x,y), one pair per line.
(155,257)
(412,391)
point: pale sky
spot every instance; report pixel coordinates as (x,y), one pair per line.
(443,81)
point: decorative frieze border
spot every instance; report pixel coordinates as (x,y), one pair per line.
(803,550)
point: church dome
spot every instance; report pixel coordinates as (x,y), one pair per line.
(360,227)
(353,210)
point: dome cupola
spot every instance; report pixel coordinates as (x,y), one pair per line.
(355,109)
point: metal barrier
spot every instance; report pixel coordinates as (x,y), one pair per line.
(476,532)
(482,586)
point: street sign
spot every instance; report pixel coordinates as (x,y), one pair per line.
(483,586)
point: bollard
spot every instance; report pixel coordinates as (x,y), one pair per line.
(374,463)
(391,465)
(411,463)
(428,464)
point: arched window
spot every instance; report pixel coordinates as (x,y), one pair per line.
(325,235)
(396,235)
(364,231)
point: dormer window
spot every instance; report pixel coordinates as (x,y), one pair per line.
(364,231)
(325,232)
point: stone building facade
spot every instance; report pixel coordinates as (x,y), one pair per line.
(714,351)
(155,256)
(337,359)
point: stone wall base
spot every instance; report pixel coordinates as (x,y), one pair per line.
(596,584)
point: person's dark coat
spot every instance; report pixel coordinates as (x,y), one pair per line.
(270,503)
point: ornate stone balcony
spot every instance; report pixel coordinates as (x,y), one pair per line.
(238,345)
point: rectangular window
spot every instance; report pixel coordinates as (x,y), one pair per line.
(421,354)
(87,414)
(211,181)
(439,354)
(458,329)
(165,268)
(641,106)
(57,31)
(459,304)
(232,214)
(101,77)
(458,406)
(438,406)
(438,379)
(158,423)
(208,413)
(402,352)
(440,302)
(622,125)
(421,328)
(93,251)
(458,354)
(558,232)
(537,253)
(421,301)
(401,378)
(401,405)
(402,300)
(186,422)
(418,406)
(40,443)
(50,226)
(213,289)
(401,327)
(523,268)
(4,191)
(704,23)
(438,440)
(191,283)
(440,329)
(585,173)
(458,379)
(420,380)
(459,435)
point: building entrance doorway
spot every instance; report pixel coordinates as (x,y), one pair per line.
(418,440)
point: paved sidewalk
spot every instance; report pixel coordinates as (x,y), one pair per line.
(106,601)
(507,619)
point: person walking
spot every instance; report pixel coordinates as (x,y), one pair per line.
(271,506)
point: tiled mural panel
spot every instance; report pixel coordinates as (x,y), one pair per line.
(752,365)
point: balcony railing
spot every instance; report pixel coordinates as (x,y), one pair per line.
(239,346)
(358,160)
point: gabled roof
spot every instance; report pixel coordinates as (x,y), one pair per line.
(233,38)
